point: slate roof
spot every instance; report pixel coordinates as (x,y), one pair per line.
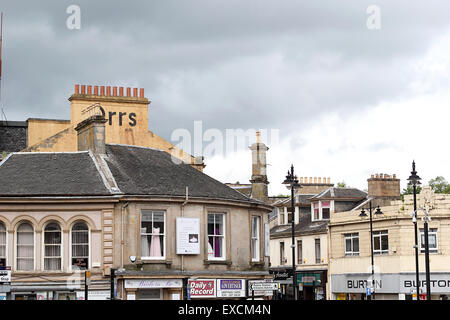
(340,193)
(304,226)
(50,174)
(136,171)
(145,171)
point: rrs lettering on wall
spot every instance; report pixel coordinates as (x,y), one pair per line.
(119,117)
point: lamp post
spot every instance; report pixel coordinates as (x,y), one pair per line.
(362,215)
(414,181)
(292,182)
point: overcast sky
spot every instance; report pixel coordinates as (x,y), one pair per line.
(348,101)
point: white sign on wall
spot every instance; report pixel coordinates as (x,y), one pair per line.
(154,283)
(188,236)
(229,288)
(5,276)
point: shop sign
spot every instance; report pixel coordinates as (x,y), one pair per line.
(230,288)
(188,236)
(309,279)
(389,283)
(153,283)
(281,274)
(41,295)
(202,288)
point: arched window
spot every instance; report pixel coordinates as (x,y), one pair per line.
(52,247)
(80,246)
(2,245)
(25,247)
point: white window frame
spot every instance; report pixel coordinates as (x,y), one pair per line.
(89,246)
(315,250)
(431,231)
(223,237)
(163,257)
(299,248)
(16,244)
(6,243)
(320,212)
(256,256)
(43,247)
(380,234)
(282,254)
(351,237)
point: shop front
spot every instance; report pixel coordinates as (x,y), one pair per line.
(153,289)
(395,286)
(312,285)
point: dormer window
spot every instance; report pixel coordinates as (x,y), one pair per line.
(320,210)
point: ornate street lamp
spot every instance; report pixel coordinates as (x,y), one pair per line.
(414,181)
(291,182)
(363,214)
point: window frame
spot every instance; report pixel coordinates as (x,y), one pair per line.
(223,236)
(299,252)
(320,208)
(351,236)
(71,244)
(164,256)
(317,241)
(380,234)
(431,231)
(282,253)
(257,250)
(5,244)
(61,246)
(16,244)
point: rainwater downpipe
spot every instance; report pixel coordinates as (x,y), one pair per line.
(122,242)
(182,214)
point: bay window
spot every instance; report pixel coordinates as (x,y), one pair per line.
(216,236)
(255,238)
(153,243)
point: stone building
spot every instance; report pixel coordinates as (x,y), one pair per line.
(163,226)
(394,253)
(313,204)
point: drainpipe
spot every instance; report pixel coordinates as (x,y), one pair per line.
(122,242)
(182,214)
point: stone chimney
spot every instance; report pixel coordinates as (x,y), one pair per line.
(91,134)
(259,170)
(314,185)
(384,187)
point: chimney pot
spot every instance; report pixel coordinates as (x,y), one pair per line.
(83,89)
(121,91)
(102,90)
(135,92)
(108,91)
(328,180)
(89,90)
(128,92)
(96,90)
(320,180)
(315,179)
(141,93)
(115,91)
(77,89)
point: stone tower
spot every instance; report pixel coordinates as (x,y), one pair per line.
(259,170)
